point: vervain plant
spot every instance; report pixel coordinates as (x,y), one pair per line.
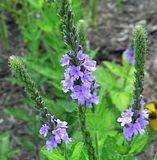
(78,78)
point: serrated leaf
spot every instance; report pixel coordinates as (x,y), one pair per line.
(138,143)
(121,99)
(109,150)
(77,152)
(116,69)
(56,154)
(45,70)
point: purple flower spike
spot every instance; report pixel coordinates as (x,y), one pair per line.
(78,78)
(138,125)
(44,130)
(57,131)
(129,55)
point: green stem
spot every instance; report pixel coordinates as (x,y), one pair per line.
(86,134)
(65,152)
(96,144)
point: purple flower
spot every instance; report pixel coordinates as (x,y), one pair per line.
(61,124)
(90,65)
(93,99)
(65,60)
(75,72)
(61,134)
(129,55)
(140,124)
(44,130)
(82,56)
(130,131)
(81,93)
(96,86)
(126,117)
(58,132)
(78,78)
(132,128)
(87,77)
(51,143)
(67,84)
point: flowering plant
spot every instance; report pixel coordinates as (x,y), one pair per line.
(99,96)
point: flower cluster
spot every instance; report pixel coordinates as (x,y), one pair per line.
(134,122)
(129,55)
(56,130)
(79,79)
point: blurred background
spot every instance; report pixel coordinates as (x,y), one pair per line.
(31,29)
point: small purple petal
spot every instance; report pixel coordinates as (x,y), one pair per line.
(61,124)
(44,130)
(90,65)
(65,60)
(51,143)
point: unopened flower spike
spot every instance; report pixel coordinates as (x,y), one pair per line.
(53,129)
(135,119)
(129,53)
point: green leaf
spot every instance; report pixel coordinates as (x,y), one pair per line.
(56,154)
(116,69)
(45,70)
(138,143)
(104,77)
(36,3)
(155,157)
(5,150)
(121,99)
(18,113)
(4,143)
(77,152)
(110,152)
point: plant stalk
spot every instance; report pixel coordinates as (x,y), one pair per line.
(86,134)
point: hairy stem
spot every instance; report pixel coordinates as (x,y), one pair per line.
(86,134)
